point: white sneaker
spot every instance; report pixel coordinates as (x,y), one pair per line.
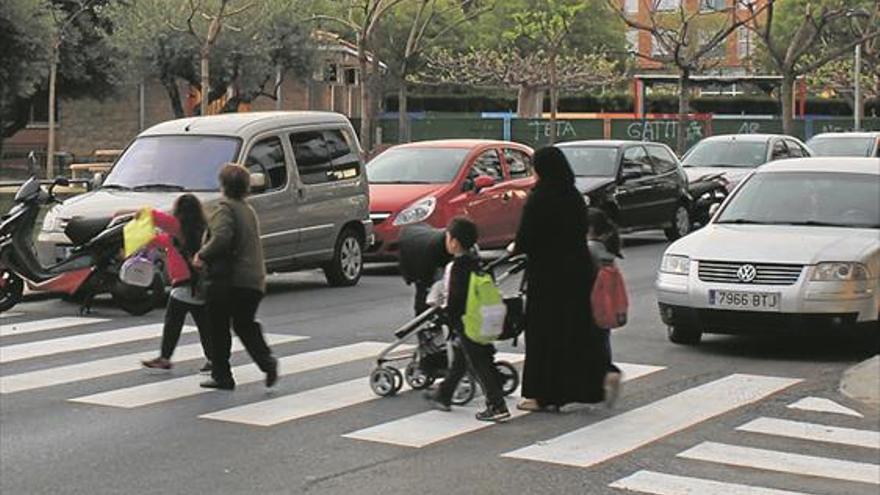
(612,388)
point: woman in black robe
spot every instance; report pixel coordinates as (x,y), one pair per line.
(564,362)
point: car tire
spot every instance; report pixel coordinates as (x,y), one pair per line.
(681,223)
(684,335)
(345,269)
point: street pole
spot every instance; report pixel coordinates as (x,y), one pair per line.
(857,97)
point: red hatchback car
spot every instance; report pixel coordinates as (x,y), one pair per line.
(433,181)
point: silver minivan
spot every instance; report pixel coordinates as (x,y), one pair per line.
(307,176)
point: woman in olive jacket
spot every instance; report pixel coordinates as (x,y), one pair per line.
(235,280)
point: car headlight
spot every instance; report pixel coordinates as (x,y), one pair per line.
(416,212)
(51,222)
(838,272)
(675,264)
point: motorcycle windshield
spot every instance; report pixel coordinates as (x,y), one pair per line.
(27,190)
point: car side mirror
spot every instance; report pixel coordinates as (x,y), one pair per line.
(630,175)
(482,182)
(258,182)
(713,209)
(97,180)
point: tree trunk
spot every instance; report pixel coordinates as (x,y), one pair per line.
(529,102)
(684,96)
(787,95)
(206,80)
(50,147)
(554,99)
(377,100)
(366,139)
(173,93)
(402,113)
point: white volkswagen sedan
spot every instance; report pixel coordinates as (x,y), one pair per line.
(796,248)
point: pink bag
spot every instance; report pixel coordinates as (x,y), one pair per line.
(608,299)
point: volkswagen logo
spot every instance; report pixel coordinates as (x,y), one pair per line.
(746,273)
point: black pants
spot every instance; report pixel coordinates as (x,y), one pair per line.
(238,306)
(175,316)
(480,359)
(610,367)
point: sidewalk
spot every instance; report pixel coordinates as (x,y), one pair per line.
(862,382)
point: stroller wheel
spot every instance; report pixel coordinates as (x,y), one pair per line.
(416,377)
(398,379)
(384,381)
(465,391)
(508,377)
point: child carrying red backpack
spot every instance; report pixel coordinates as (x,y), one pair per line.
(608,297)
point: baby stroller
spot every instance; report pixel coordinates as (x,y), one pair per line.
(428,360)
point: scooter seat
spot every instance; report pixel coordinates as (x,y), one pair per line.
(81,230)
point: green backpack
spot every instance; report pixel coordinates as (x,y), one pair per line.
(485,310)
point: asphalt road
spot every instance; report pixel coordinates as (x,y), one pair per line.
(704,418)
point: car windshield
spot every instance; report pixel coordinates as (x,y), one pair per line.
(416,166)
(807,198)
(841,146)
(179,163)
(591,161)
(726,153)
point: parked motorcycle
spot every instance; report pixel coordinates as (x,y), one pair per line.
(91,268)
(706,191)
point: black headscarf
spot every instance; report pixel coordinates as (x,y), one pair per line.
(554,171)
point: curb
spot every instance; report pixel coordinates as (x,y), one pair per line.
(862,382)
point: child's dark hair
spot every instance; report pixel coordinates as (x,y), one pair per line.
(464,231)
(188,211)
(605,229)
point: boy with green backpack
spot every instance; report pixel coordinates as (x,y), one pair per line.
(468,312)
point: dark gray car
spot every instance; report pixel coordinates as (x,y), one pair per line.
(641,185)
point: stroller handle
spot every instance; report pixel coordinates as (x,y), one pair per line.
(508,257)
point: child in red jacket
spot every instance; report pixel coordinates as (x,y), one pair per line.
(181,238)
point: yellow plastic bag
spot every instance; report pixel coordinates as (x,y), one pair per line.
(139,232)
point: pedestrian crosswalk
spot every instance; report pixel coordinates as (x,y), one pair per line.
(786,460)
(607,439)
(436,426)
(88,354)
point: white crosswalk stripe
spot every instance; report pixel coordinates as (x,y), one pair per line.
(311,402)
(153,393)
(784,462)
(92,340)
(815,432)
(431,427)
(612,437)
(819,404)
(668,484)
(109,366)
(22,328)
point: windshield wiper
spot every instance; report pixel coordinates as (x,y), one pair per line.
(116,186)
(401,182)
(745,221)
(818,223)
(159,186)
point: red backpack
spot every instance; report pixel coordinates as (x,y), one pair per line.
(608,299)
